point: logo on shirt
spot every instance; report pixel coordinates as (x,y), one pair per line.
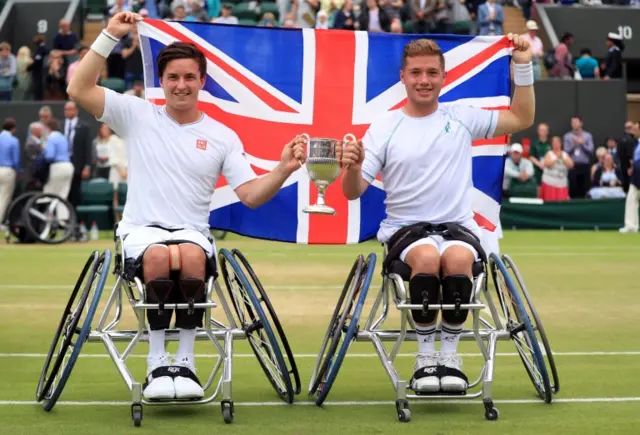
(447,128)
(201,144)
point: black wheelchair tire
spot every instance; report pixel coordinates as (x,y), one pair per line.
(364,281)
(96,263)
(13,217)
(274,318)
(537,323)
(69,231)
(522,323)
(258,320)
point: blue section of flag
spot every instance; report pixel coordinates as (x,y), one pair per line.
(371,214)
(487,175)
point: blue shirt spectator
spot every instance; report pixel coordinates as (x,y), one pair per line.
(57,148)
(9,151)
(587,65)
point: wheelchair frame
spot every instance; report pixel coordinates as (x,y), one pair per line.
(483,332)
(50,387)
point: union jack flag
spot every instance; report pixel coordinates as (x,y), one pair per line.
(270,84)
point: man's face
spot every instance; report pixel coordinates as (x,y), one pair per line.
(64,26)
(180,13)
(543,131)
(45,117)
(181,83)
(36,131)
(70,110)
(423,77)
(515,156)
(576,124)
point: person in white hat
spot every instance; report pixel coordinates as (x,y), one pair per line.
(613,64)
(518,174)
(537,48)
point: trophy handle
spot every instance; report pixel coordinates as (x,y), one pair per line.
(348,138)
(307,138)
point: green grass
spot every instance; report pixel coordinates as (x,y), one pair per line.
(584,285)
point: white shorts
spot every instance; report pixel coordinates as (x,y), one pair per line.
(440,244)
(137,240)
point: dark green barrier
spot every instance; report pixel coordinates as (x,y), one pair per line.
(577,214)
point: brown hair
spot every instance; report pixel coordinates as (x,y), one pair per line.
(9,124)
(422,47)
(181,50)
(53,124)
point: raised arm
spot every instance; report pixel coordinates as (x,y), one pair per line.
(523,106)
(83,88)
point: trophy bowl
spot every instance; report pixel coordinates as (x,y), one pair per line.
(323,168)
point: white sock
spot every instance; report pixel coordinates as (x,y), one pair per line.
(426,338)
(449,338)
(156,343)
(187,341)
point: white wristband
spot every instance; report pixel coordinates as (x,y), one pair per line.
(523,74)
(104,44)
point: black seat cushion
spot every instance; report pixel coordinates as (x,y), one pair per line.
(401,268)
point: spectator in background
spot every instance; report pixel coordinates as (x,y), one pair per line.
(555,177)
(607,180)
(563,61)
(56,76)
(137,90)
(35,173)
(80,150)
(600,152)
(225,16)
(305,13)
(197,12)
(612,148)
(587,66)
(536,47)
(8,71)
(133,68)
(490,18)
(613,64)
(65,42)
(22,91)
(631,204)
(322,20)
(373,18)
(626,147)
(519,180)
(56,154)
(9,164)
(540,146)
(37,68)
(345,18)
(578,144)
(393,9)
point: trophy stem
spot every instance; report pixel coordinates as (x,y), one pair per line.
(320,200)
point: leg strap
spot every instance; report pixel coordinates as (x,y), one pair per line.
(456,290)
(424,290)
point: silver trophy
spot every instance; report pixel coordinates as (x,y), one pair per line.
(323,168)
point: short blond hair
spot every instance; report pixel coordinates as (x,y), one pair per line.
(422,47)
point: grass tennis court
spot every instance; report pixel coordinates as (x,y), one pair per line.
(584,284)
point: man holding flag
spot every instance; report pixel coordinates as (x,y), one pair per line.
(424,155)
(176,156)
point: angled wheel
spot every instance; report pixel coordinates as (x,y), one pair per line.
(49,218)
(256,325)
(536,322)
(271,313)
(13,217)
(519,325)
(343,327)
(71,332)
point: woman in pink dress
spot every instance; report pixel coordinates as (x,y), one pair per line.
(555,176)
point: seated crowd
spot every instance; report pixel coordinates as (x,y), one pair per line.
(559,168)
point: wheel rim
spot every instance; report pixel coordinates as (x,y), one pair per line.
(49,218)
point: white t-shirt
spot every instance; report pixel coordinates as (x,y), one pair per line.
(426,164)
(172,168)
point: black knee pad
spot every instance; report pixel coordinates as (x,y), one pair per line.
(424,290)
(192,291)
(159,291)
(456,290)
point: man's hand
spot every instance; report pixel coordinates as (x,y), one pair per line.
(524,176)
(352,155)
(521,49)
(293,155)
(85,173)
(122,23)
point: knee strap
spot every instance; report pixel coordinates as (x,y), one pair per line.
(192,290)
(175,262)
(424,290)
(456,290)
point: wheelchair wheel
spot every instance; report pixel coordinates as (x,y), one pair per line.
(13,218)
(40,216)
(270,312)
(349,308)
(256,325)
(520,328)
(537,323)
(93,277)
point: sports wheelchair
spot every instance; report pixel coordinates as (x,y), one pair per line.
(255,320)
(33,217)
(514,318)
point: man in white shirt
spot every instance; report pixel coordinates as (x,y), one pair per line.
(176,155)
(424,155)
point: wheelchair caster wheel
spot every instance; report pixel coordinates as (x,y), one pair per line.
(490,412)
(136,415)
(403,411)
(227,411)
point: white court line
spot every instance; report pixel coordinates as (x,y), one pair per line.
(267,286)
(354,403)
(353,355)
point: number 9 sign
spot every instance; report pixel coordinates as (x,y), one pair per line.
(43,25)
